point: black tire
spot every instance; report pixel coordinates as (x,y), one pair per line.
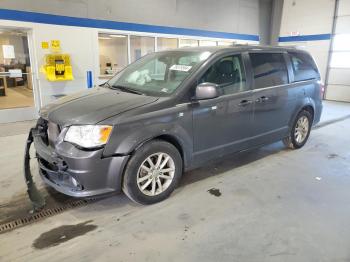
(291,141)
(130,185)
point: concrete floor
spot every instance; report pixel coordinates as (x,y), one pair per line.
(270,204)
(334,110)
(15,97)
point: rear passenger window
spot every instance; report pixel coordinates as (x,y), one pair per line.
(269,69)
(304,67)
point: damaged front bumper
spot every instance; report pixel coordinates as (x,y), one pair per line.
(38,201)
(73,171)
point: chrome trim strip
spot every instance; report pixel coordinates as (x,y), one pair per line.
(292,83)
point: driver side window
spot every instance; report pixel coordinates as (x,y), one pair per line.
(228,73)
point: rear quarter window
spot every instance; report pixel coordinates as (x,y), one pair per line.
(304,68)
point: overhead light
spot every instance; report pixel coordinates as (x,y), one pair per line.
(104,37)
(117,36)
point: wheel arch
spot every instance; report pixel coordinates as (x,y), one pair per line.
(307,105)
(171,139)
(310,109)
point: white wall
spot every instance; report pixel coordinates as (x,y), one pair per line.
(235,16)
(80,43)
(309,17)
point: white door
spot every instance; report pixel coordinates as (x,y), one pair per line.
(338,83)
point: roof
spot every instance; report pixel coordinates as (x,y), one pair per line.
(214,49)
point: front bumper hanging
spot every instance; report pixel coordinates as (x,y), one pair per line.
(36,198)
(68,169)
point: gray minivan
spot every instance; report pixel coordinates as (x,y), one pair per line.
(172,111)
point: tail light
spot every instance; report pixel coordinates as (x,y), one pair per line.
(322,89)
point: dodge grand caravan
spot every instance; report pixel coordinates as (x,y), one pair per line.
(172,111)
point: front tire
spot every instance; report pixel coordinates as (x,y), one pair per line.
(300,131)
(152,173)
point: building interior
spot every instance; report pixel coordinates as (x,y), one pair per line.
(175,130)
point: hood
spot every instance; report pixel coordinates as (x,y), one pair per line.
(92,106)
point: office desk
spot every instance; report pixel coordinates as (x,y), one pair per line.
(4,79)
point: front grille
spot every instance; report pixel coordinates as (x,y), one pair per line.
(56,173)
(49,166)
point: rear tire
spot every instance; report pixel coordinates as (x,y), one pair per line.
(300,131)
(153,172)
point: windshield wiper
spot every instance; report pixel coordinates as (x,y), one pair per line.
(126,89)
(105,84)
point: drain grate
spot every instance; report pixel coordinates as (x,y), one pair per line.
(43,214)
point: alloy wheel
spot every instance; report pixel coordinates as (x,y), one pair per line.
(155,174)
(301,129)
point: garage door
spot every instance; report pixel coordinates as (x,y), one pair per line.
(338,84)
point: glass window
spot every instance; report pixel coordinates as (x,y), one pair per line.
(228,73)
(113,53)
(188,43)
(303,66)
(140,46)
(16,90)
(225,43)
(158,74)
(269,69)
(166,43)
(207,43)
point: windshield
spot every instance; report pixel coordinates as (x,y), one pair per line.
(158,74)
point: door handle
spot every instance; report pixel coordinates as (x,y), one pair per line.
(245,103)
(262,99)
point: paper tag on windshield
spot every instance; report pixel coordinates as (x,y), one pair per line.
(184,68)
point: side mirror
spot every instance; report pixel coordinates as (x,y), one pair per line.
(206,91)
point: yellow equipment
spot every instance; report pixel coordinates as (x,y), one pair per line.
(57,67)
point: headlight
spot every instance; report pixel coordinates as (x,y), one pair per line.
(88,136)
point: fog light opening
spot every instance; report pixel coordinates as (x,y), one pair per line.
(75,183)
